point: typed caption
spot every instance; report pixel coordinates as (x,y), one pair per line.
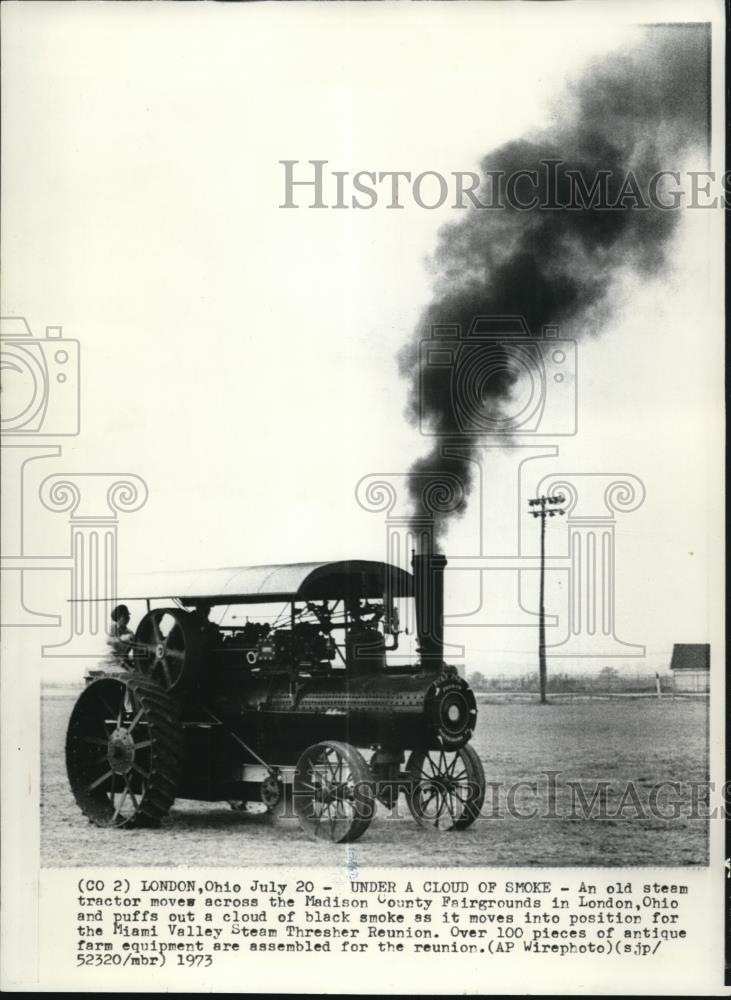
(196,923)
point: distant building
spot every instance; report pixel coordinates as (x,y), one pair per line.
(691,667)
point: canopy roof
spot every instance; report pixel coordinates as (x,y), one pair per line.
(312,581)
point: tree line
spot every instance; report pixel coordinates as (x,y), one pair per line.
(605,681)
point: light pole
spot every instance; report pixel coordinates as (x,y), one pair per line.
(543,507)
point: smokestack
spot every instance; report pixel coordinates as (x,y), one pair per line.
(428,570)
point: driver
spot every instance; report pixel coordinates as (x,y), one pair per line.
(120,638)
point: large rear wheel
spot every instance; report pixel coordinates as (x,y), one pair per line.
(124,746)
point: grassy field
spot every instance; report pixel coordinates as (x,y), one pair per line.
(643,741)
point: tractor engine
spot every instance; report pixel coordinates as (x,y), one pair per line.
(305,644)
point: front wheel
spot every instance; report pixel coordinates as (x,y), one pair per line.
(333,792)
(447,788)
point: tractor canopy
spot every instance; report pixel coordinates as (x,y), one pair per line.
(312,581)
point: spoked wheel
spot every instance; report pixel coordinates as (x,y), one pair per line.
(333,792)
(123,751)
(448,788)
(168,648)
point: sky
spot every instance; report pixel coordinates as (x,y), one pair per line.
(241,357)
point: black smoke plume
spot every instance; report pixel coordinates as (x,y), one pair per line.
(640,111)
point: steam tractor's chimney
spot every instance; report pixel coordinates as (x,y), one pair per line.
(428,570)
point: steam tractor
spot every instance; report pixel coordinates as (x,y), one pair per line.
(279,712)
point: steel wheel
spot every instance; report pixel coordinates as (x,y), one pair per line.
(168,648)
(123,750)
(448,788)
(333,792)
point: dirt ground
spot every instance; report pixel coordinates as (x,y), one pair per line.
(638,740)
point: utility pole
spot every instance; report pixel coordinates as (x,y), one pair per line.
(544,507)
